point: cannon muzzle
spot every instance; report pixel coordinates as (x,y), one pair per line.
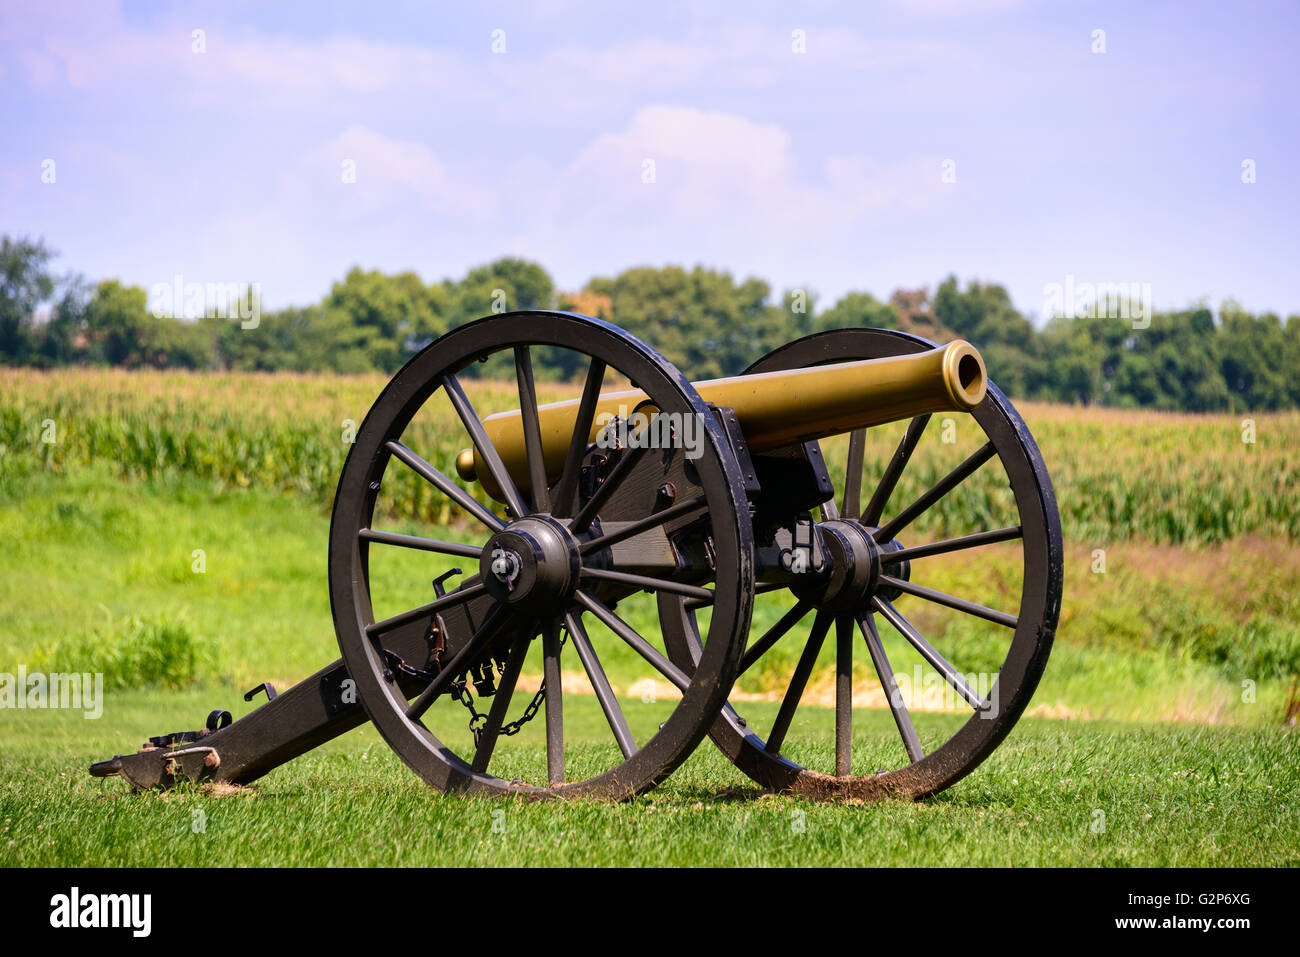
(775,409)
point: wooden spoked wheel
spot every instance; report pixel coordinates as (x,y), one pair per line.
(873,607)
(543,577)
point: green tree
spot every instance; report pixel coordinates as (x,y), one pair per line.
(703,320)
(298,339)
(120,327)
(1080,356)
(984,315)
(394,316)
(857,310)
(25,283)
(504,285)
(507,285)
(800,306)
(1291,358)
(65,339)
(1253,353)
(1183,351)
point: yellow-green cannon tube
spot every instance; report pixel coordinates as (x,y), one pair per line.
(775,409)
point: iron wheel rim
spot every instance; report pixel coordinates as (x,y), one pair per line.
(1030,645)
(436,763)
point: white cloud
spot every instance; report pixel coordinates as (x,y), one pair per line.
(95,50)
(579,79)
(391,175)
(465,184)
(311,74)
(729,192)
(405,201)
(724,181)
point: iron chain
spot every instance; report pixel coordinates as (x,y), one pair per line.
(460,691)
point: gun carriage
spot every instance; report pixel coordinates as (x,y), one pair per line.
(646,498)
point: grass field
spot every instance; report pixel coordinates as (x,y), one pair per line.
(1056,793)
(1161,707)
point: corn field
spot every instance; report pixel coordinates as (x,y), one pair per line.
(1159,477)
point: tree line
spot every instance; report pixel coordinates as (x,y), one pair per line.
(704,320)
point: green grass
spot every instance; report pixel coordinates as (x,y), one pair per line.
(1170,796)
(108,566)
(174,539)
(105,581)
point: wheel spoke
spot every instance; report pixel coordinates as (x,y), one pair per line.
(486,450)
(894,470)
(600,685)
(554,703)
(843,695)
(772,636)
(445,485)
(928,652)
(626,465)
(852,507)
(487,737)
(450,600)
(642,647)
(486,632)
(541,494)
(798,681)
(885,673)
(935,492)
(951,601)
(633,529)
(951,545)
(650,584)
(564,497)
(423,544)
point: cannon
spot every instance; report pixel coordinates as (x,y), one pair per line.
(636,527)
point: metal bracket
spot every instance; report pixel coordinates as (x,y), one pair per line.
(264,686)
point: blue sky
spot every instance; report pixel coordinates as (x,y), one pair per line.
(821,169)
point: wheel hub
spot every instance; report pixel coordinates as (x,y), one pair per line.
(532,563)
(855,568)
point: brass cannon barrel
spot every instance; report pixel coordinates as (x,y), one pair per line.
(775,409)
